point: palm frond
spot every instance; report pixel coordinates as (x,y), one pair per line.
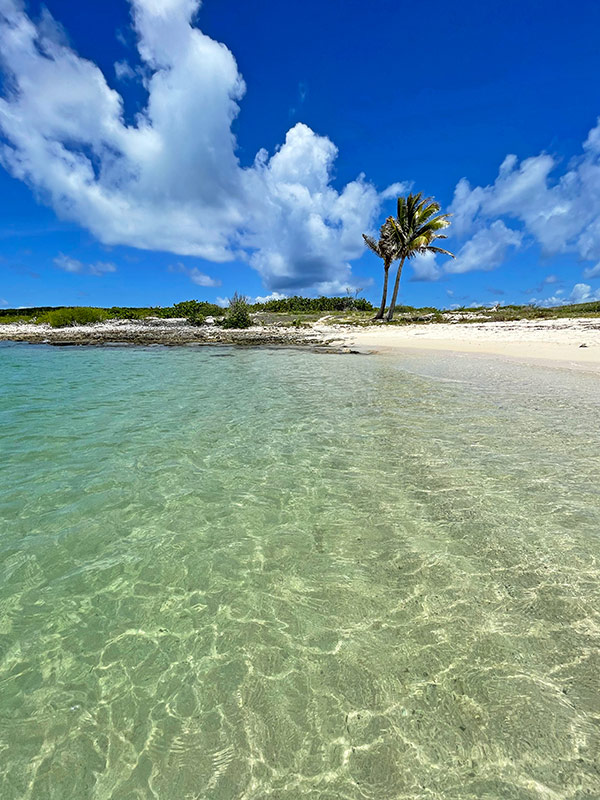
(428,211)
(420,242)
(440,250)
(387,246)
(371,243)
(426,202)
(401,207)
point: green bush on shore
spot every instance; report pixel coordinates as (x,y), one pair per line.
(310,305)
(238,314)
(67,317)
(191,310)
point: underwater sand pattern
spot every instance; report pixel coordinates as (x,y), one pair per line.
(286,575)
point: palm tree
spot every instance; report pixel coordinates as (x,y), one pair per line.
(386,249)
(414,230)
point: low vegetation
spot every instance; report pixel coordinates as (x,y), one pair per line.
(311,305)
(240,314)
(67,317)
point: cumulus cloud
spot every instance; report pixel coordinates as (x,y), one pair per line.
(592,272)
(580,293)
(68,264)
(561,213)
(272,296)
(394,190)
(486,250)
(172,180)
(425,268)
(194,274)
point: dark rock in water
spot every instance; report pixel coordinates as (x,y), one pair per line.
(337,351)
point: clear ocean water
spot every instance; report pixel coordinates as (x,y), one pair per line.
(233,574)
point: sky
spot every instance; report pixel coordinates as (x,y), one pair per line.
(154,151)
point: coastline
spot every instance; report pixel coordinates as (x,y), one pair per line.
(572,342)
(167,332)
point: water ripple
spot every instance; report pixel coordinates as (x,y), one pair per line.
(276,575)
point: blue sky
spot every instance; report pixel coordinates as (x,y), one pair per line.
(130,144)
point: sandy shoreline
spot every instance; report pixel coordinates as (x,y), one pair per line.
(573,343)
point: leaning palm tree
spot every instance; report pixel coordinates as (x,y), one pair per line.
(385,247)
(413,231)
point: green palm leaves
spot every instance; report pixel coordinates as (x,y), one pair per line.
(414,230)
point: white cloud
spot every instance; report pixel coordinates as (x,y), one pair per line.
(123,71)
(68,264)
(561,214)
(194,274)
(172,181)
(3,302)
(425,268)
(580,293)
(222,301)
(272,296)
(486,250)
(592,272)
(394,190)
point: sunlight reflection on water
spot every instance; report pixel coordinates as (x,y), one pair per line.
(290,575)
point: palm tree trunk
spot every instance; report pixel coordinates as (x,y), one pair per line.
(390,315)
(386,269)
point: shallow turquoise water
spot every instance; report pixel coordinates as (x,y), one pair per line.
(275,574)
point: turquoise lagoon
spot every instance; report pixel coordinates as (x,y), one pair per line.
(231,574)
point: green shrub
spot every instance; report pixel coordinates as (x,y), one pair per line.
(196,318)
(7,319)
(34,311)
(238,314)
(191,309)
(310,305)
(118,312)
(66,317)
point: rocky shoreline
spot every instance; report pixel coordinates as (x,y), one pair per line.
(169,332)
(572,343)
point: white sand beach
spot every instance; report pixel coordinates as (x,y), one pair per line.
(573,343)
